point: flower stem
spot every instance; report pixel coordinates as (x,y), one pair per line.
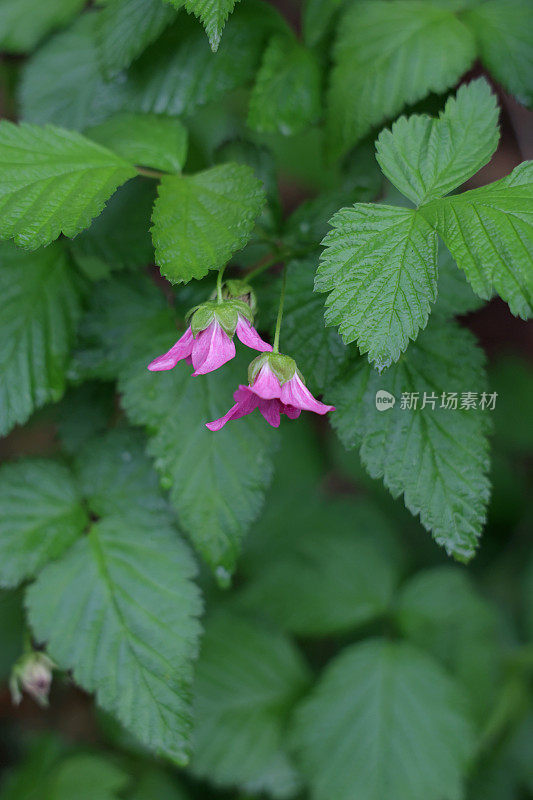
(275,259)
(219,283)
(275,349)
(150,173)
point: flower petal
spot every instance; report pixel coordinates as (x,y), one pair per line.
(182,349)
(291,411)
(266,385)
(212,348)
(249,336)
(246,403)
(270,409)
(295,393)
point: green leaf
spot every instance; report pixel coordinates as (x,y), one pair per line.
(148,140)
(326,566)
(120,237)
(86,776)
(247,679)
(23,23)
(84,412)
(39,309)
(437,458)
(200,220)
(11,632)
(62,82)
(489,233)
(390,55)
(286,95)
(124,28)
(41,514)
(117,477)
(53,181)
(318,351)
(384,721)
(316,19)
(454,294)
(155,783)
(440,610)
(178,74)
(119,610)
(426,157)
(502,30)
(380,269)
(216,483)
(212,13)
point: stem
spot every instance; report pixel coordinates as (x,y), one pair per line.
(150,173)
(219,283)
(275,259)
(275,349)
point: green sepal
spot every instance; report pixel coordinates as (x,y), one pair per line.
(283,367)
(202,317)
(228,316)
(236,289)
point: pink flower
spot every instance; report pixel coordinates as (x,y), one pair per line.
(209,347)
(276,387)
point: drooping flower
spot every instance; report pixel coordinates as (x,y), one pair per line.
(276,387)
(207,343)
(32,673)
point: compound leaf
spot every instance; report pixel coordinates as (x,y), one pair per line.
(42,514)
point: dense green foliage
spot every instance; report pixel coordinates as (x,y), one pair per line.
(260,613)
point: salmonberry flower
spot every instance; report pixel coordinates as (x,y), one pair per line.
(32,673)
(207,343)
(276,387)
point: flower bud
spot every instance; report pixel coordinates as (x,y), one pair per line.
(32,673)
(236,289)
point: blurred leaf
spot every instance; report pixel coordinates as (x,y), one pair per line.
(41,514)
(86,777)
(124,28)
(489,234)
(390,55)
(29,779)
(83,413)
(440,610)
(502,30)
(316,19)
(247,679)
(200,220)
(119,610)
(11,631)
(148,140)
(155,784)
(39,309)
(330,565)
(384,721)
(42,171)
(286,94)
(23,23)
(119,238)
(436,457)
(511,376)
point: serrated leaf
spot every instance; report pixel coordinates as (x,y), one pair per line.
(389,55)
(213,14)
(318,351)
(325,566)
(179,73)
(437,458)
(247,679)
(39,309)
(426,158)
(53,181)
(147,140)
(502,29)
(62,82)
(380,269)
(23,23)
(117,477)
(440,610)
(384,721)
(119,610)
(454,294)
(124,28)
(119,238)
(489,233)
(200,220)
(219,493)
(41,515)
(286,94)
